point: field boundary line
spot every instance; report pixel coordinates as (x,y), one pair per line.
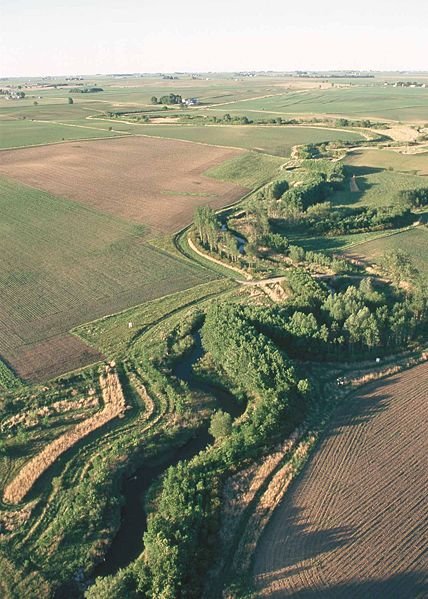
(67,141)
(411,227)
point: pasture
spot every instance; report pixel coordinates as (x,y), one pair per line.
(377,187)
(413,241)
(354,523)
(154,182)
(63,263)
(250,169)
(388,159)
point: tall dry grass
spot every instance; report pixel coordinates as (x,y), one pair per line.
(114,406)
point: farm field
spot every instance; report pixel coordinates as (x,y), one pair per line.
(29,133)
(278,141)
(414,242)
(357,101)
(354,523)
(154,182)
(62,264)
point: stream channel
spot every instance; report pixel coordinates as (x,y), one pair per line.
(127,545)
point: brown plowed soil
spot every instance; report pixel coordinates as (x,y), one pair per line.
(51,357)
(155,182)
(355,524)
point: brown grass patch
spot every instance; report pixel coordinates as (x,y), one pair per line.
(114,406)
(355,524)
(155,182)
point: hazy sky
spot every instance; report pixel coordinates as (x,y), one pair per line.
(39,37)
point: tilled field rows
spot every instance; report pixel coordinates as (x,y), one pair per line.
(355,524)
(155,182)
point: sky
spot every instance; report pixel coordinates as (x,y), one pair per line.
(59,37)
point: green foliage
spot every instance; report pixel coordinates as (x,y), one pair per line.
(207,226)
(277,189)
(220,425)
(398,265)
(249,358)
(8,381)
(415,198)
(121,586)
(169,99)
(179,533)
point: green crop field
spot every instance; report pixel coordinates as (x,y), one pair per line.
(404,104)
(62,263)
(272,140)
(27,133)
(414,242)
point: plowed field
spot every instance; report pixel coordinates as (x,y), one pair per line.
(155,182)
(355,524)
(62,264)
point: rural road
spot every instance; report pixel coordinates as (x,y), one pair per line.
(355,523)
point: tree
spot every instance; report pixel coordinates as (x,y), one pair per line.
(70,101)
(2,448)
(207,226)
(398,265)
(220,425)
(154,100)
(296,253)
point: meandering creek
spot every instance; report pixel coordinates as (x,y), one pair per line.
(127,545)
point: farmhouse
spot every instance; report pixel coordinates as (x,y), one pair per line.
(191,101)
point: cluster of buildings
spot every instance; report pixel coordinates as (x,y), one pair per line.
(190,101)
(12,94)
(407,84)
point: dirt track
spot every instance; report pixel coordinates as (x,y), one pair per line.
(355,523)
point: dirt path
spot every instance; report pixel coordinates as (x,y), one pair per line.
(215,260)
(354,525)
(353,185)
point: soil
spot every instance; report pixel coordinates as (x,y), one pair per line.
(355,523)
(152,181)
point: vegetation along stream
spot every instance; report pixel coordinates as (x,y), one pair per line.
(128,542)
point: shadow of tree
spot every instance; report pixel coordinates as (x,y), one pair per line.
(408,585)
(307,544)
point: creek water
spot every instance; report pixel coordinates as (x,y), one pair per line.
(127,544)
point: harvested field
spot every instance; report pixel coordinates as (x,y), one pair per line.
(355,522)
(155,182)
(51,357)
